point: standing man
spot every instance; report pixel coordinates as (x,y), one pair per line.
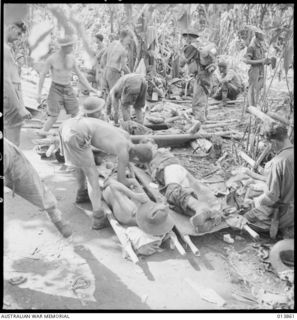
(13,104)
(23,179)
(274,210)
(130,89)
(255,56)
(230,84)
(201,66)
(98,66)
(79,135)
(115,58)
(61,64)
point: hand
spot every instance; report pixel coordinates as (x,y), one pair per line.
(267,61)
(132,182)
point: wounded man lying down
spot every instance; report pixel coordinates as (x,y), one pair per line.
(183,192)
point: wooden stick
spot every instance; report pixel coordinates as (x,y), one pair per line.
(277,117)
(262,156)
(259,114)
(189,242)
(249,160)
(252,233)
(120,232)
(176,243)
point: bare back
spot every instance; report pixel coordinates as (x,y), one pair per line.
(61,68)
(10,66)
(108,138)
(115,53)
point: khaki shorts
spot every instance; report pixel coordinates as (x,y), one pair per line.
(77,151)
(111,76)
(23,179)
(61,96)
(134,96)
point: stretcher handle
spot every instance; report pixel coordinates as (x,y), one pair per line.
(252,233)
(193,248)
(177,245)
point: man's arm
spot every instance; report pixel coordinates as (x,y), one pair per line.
(82,78)
(124,62)
(123,162)
(141,197)
(248,58)
(43,74)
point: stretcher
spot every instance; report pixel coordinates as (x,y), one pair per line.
(182,222)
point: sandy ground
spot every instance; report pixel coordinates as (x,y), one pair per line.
(35,250)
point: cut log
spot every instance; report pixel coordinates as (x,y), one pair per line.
(259,114)
(203,144)
(180,140)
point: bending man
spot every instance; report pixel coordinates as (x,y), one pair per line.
(130,90)
(79,135)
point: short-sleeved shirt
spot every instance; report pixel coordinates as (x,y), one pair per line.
(76,136)
(130,82)
(256,51)
(280,184)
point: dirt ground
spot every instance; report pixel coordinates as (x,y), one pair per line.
(51,265)
(35,250)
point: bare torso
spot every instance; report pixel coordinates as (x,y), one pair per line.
(115,52)
(108,138)
(61,68)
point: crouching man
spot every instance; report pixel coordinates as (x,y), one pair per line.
(185,193)
(78,136)
(230,85)
(130,89)
(23,179)
(274,209)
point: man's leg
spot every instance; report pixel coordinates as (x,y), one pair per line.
(24,180)
(233,91)
(13,134)
(54,100)
(99,218)
(70,102)
(199,103)
(126,112)
(82,191)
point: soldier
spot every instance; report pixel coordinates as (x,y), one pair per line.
(274,209)
(23,179)
(13,104)
(255,56)
(61,64)
(201,65)
(131,90)
(230,84)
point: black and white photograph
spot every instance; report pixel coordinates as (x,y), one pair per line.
(148,157)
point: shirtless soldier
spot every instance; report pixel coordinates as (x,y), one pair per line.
(79,135)
(115,59)
(61,64)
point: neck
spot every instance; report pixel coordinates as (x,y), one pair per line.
(285,144)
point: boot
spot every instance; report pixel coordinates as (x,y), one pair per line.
(63,228)
(82,196)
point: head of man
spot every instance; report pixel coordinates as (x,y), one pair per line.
(276,133)
(125,38)
(67,44)
(189,36)
(15,31)
(151,143)
(222,68)
(93,107)
(141,153)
